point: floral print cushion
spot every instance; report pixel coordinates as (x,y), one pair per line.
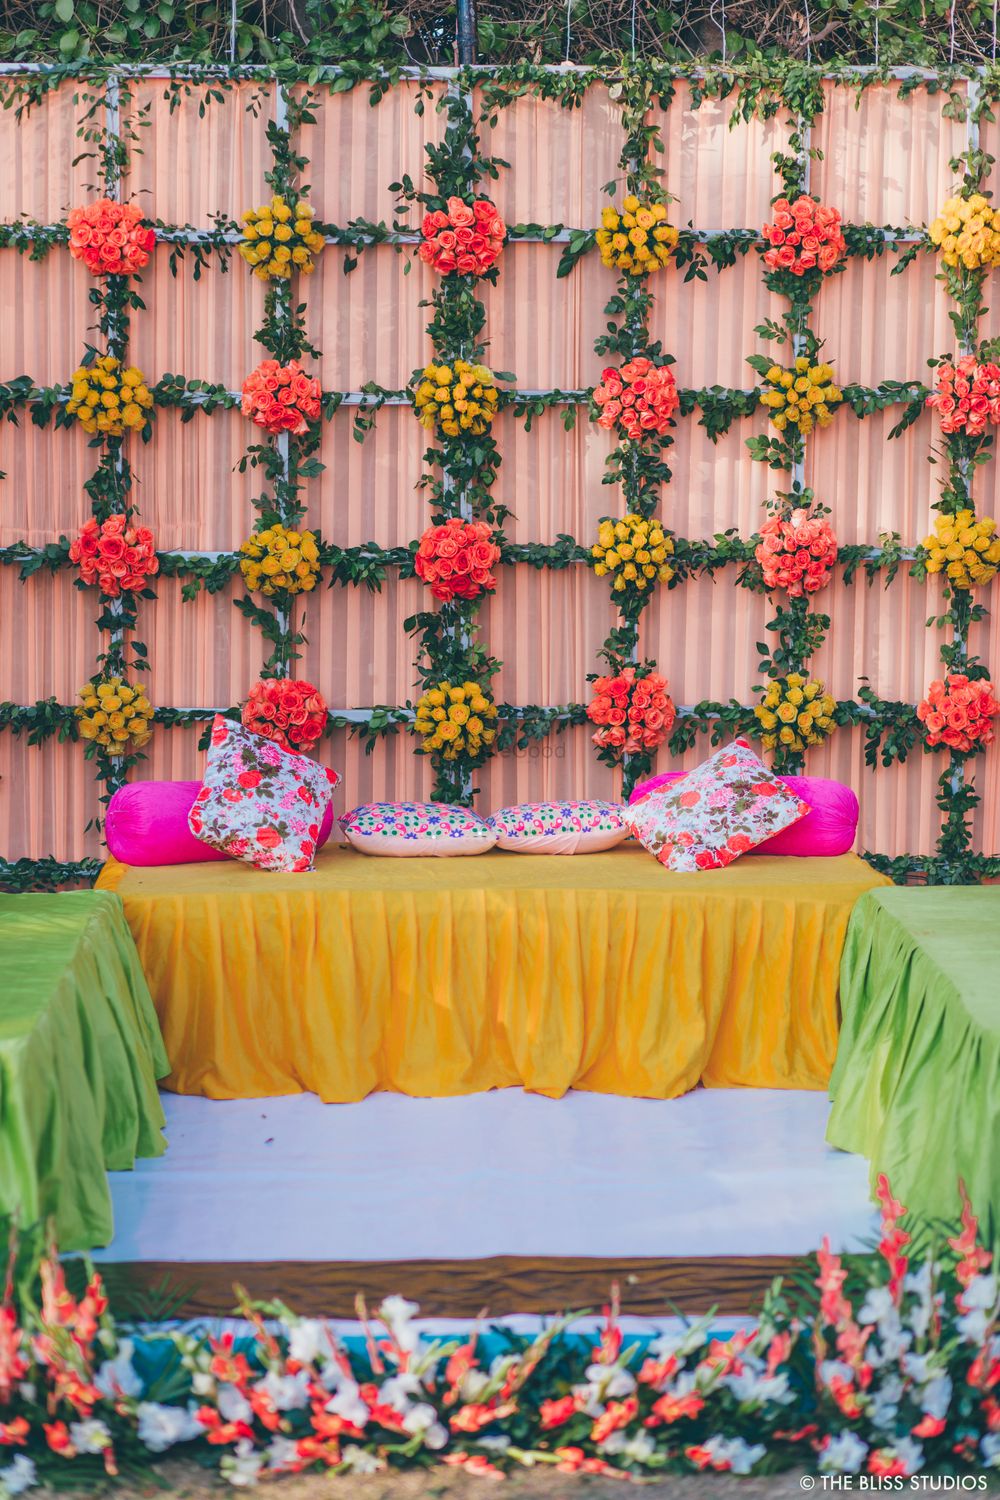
(416,828)
(560,827)
(260,803)
(722,809)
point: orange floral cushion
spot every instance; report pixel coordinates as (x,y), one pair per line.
(720,810)
(260,803)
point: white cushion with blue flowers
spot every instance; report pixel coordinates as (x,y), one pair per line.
(416,828)
(560,827)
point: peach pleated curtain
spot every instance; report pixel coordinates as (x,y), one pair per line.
(885,161)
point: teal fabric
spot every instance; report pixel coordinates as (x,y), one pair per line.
(916,1086)
(80,1053)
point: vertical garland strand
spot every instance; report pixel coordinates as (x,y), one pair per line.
(632,550)
(286,459)
(110,486)
(288,511)
(957,795)
(455,715)
(463,625)
(115,327)
(785,712)
(796,637)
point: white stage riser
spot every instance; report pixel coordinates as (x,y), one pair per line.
(716,1173)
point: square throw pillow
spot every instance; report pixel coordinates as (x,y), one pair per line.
(416,829)
(715,813)
(260,803)
(560,827)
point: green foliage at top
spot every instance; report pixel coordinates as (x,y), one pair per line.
(364,34)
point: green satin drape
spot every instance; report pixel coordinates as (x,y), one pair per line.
(916,1086)
(80,1052)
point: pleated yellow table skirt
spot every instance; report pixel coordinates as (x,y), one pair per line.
(448,976)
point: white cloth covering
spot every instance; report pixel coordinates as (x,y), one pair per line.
(718,1172)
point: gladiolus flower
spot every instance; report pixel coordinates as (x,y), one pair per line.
(973,1258)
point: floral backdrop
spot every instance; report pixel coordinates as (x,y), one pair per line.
(611,442)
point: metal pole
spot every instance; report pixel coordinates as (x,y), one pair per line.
(466,32)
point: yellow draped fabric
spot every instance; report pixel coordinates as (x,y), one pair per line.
(447,976)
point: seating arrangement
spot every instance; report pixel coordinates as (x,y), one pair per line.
(500,948)
(439,976)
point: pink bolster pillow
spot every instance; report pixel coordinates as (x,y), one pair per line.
(829,829)
(147,824)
